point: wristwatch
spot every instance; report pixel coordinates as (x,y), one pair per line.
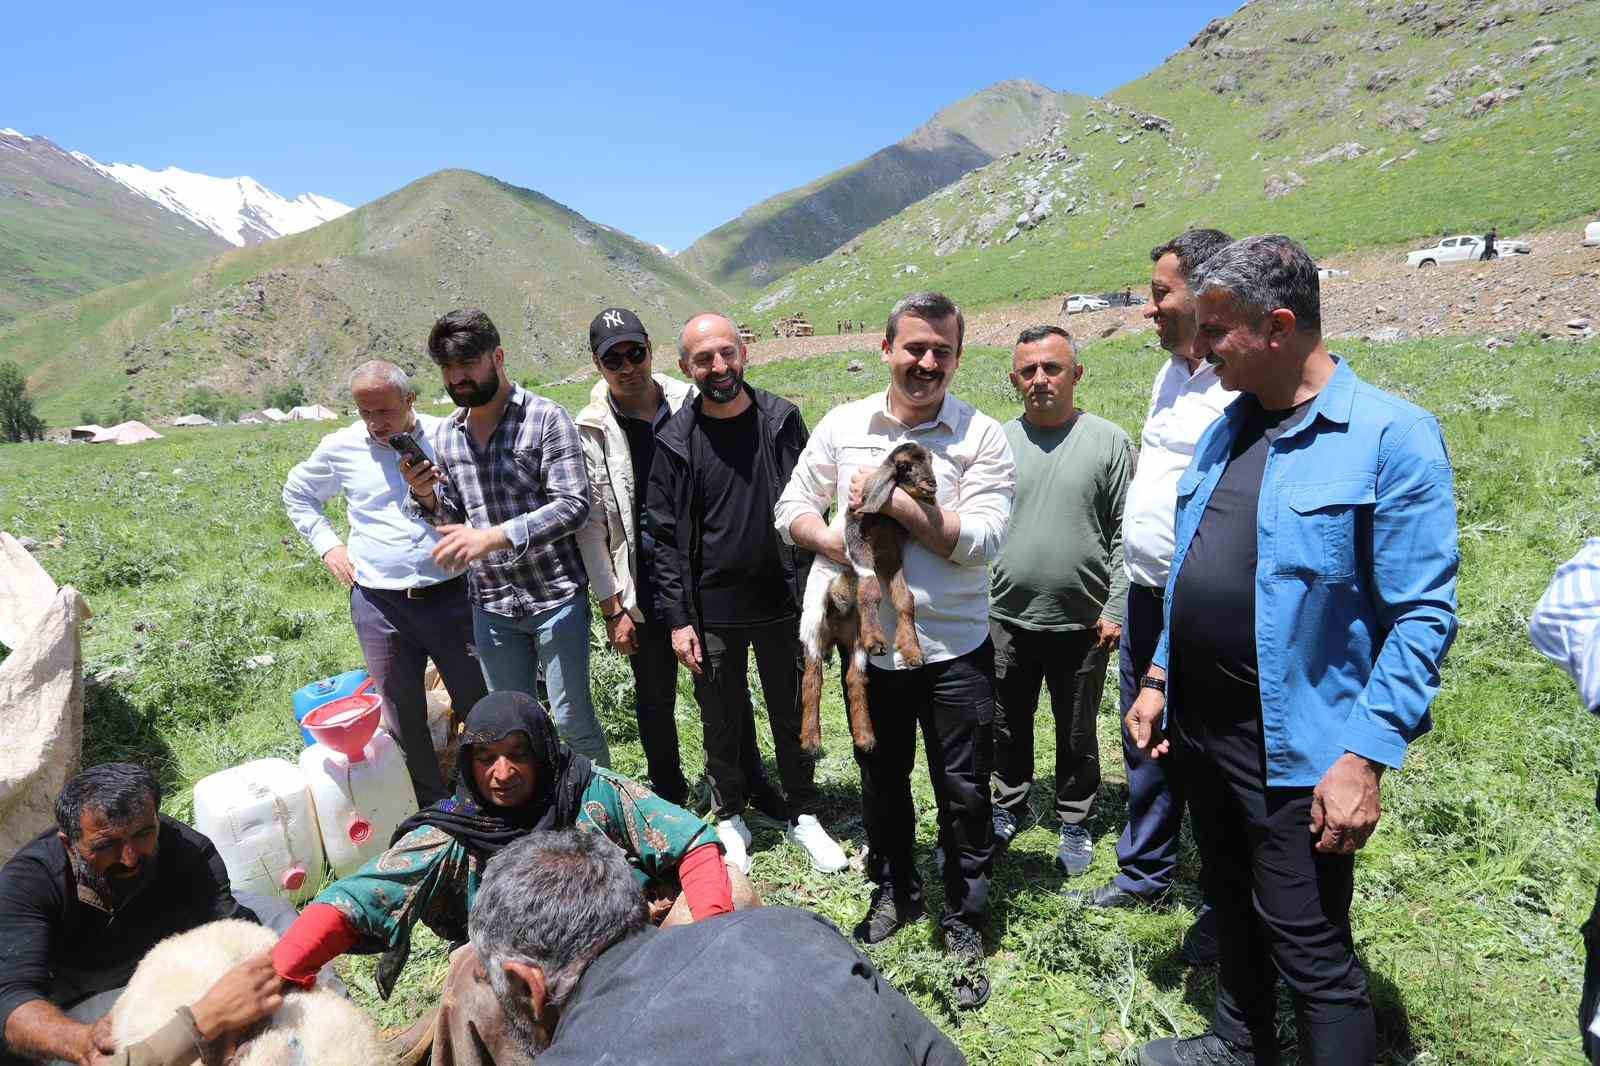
(1157,683)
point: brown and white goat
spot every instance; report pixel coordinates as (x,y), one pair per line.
(841,602)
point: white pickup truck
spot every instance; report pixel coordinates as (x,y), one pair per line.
(1463,249)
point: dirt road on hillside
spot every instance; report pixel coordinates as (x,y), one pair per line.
(1380,299)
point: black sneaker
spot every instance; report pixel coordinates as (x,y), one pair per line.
(1076,853)
(886,915)
(1005,827)
(1201,945)
(1207,1049)
(965,944)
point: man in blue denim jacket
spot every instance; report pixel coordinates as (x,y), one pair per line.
(1310,604)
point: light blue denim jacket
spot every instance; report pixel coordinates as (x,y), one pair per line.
(1355,575)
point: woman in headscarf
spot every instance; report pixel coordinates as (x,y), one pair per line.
(513,775)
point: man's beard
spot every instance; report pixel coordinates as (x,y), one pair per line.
(533,1037)
(724,389)
(113,891)
(474,393)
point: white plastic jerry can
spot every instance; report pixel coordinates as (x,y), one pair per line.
(259,816)
(359,801)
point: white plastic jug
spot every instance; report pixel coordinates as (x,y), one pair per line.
(260,818)
(359,802)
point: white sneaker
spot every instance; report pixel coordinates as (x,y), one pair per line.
(825,854)
(735,837)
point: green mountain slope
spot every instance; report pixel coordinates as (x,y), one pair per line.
(804,224)
(1343,123)
(309,307)
(66,229)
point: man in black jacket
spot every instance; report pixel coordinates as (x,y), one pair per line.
(726,582)
(569,952)
(80,906)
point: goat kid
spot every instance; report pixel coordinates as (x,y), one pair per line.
(841,602)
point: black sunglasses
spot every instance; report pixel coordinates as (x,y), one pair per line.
(635,354)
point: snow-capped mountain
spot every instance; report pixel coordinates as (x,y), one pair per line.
(239,210)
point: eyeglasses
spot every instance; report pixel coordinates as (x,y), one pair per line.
(633,353)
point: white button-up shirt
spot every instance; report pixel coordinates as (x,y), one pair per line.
(388,549)
(976,476)
(1182,405)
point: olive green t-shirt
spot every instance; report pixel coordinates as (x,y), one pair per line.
(1061,567)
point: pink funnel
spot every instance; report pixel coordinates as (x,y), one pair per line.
(346,724)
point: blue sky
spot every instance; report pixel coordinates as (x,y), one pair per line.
(662,122)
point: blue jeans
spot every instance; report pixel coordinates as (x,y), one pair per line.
(512,651)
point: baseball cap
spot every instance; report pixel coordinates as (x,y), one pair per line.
(613,326)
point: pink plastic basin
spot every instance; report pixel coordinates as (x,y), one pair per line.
(346,724)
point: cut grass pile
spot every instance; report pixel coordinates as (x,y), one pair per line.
(210,611)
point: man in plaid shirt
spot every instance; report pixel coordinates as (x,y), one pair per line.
(508,495)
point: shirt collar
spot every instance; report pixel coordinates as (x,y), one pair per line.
(949,413)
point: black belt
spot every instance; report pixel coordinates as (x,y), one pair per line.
(424,592)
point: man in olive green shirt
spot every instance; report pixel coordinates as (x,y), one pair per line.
(1057,592)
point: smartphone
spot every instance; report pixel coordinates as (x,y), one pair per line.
(407,446)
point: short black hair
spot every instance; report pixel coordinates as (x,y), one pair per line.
(1192,247)
(463,334)
(930,307)
(118,791)
(1035,334)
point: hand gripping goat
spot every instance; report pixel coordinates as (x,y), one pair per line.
(841,603)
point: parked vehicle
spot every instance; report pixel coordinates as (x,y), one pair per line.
(1080,302)
(1463,249)
(1591,235)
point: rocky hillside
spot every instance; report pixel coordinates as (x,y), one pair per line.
(804,224)
(309,307)
(1347,123)
(67,229)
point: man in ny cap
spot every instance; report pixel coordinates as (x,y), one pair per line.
(627,408)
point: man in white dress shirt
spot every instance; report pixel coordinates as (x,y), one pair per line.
(1186,398)
(946,565)
(406,608)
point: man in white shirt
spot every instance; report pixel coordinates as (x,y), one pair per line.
(406,608)
(1186,399)
(946,565)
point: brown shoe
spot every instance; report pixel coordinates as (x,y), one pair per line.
(409,1045)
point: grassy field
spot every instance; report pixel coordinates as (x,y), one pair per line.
(210,611)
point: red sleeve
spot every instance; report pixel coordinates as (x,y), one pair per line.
(705,882)
(317,937)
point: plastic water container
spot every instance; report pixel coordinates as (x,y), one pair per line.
(317,693)
(360,798)
(261,820)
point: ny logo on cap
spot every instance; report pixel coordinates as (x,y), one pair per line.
(613,319)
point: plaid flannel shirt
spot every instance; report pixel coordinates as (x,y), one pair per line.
(530,481)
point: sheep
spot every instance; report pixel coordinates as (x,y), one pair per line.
(841,605)
(311,1027)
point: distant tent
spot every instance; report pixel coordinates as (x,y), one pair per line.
(88,432)
(125,433)
(192,420)
(272,414)
(314,412)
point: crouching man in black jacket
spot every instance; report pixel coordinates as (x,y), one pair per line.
(569,952)
(726,582)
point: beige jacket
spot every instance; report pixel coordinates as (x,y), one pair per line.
(607,539)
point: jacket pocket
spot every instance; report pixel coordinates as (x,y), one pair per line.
(1315,533)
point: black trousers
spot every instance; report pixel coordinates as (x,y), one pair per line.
(1074,670)
(953,701)
(655,687)
(1284,908)
(398,636)
(733,760)
(1590,999)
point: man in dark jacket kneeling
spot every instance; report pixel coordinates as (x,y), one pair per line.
(571,956)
